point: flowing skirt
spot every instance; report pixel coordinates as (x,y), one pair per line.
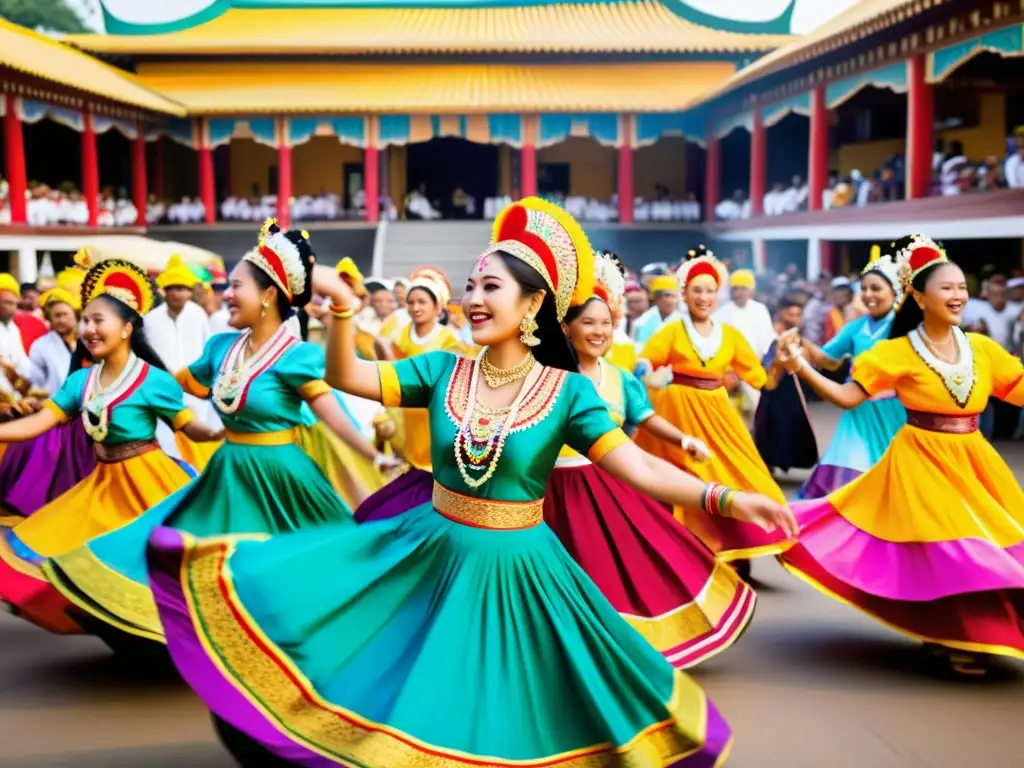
(708,416)
(112,496)
(352,475)
(249,489)
(34,473)
(660,579)
(782,428)
(421,641)
(929,541)
(862,436)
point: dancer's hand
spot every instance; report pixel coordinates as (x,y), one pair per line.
(790,353)
(658,379)
(764,513)
(696,449)
(384,463)
(327,282)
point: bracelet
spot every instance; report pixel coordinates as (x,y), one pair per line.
(341,313)
(717,500)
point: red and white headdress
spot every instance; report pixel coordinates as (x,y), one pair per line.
(916,257)
(281,258)
(700,261)
(610,282)
(433,280)
(118,279)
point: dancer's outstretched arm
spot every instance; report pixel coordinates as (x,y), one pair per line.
(664,429)
(29,427)
(847,396)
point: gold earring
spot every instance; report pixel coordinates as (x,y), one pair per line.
(266,304)
(527,326)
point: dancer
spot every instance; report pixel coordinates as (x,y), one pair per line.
(121,398)
(259,481)
(663,581)
(354,639)
(37,471)
(863,433)
(693,355)
(929,539)
(622,349)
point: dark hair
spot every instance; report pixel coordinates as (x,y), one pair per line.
(910,315)
(574,312)
(29,287)
(139,344)
(788,302)
(554,349)
(423,288)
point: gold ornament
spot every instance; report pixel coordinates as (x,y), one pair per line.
(527,326)
(499,377)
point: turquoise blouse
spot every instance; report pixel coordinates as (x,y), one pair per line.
(561,407)
(274,399)
(156,396)
(858,336)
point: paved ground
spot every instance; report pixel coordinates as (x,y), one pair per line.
(811,685)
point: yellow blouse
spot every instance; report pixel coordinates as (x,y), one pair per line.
(444,339)
(895,364)
(670,345)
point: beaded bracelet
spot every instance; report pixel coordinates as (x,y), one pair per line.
(717,499)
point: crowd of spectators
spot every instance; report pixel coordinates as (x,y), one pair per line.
(67,206)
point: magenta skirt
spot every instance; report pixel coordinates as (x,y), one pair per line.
(655,573)
(34,473)
(405,492)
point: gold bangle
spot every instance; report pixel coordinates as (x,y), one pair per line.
(342,313)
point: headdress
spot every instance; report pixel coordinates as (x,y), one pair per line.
(281,255)
(8,283)
(176,273)
(70,279)
(664,284)
(633,286)
(59,295)
(120,280)
(915,257)
(743,278)
(349,272)
(433,280)
(886,267)
(610,279)
(550,241)
(701,261)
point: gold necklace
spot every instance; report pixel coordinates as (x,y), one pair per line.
(499,377)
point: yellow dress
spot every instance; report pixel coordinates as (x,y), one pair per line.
(697,403)
(931,539)
(622,352)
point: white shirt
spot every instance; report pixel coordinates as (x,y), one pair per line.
(47,363)
(999,324)
(1014,170)
(12,349)
(220,321)
(179,341)
(753,321)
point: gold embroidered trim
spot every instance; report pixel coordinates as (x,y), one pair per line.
(255,666)
(487,513)
(535,407)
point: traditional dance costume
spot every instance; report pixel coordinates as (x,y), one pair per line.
(697,403)
(259,481)
(341,646)
(930,540)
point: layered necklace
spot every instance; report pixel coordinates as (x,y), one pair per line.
(957,376)
(237,371)
(98,401)
(483,431)
(499,377)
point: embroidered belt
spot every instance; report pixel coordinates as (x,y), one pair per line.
(487,513)
(113,454)
(696,382)
(280,437)
(941,422)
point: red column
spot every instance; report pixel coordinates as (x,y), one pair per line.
(14,162)
(920,129)
(712,176)
(284,186)
(626,186)
(139,187)
(90,169)
(158,168)
(827,256)
(817,160)
(528,171)
(371,168)
(758,164)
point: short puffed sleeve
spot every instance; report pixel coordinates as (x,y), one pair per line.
(658,349)
(744,361)
(1007,370)
(198,377)
(165,397)
(66,402)
(878,369)
(410,382)
(634,394)
(590,429)
(302,368)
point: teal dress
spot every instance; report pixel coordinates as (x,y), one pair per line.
(458,634)
(259,481)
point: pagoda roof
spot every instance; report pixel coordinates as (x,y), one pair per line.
(210,88)
(42,57)
(607,26)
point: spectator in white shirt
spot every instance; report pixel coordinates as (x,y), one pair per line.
(1014,166)
(994,315)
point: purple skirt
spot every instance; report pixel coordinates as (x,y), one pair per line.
(405,492)
(34,473)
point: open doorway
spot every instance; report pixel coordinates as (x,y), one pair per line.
(444,165)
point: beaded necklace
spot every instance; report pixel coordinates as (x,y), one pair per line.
(98,401)
(237,372)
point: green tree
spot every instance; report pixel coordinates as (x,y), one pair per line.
(48,14)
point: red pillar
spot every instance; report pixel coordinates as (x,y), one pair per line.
(14,162)
(817,160)
(371,168)
(626,186)
(920,129)
(139,187)
(158,168)
(90,169)
(712,176)
(827,255)
(284,186)
(758,164)
(528,171)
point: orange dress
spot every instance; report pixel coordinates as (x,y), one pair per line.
(697,403)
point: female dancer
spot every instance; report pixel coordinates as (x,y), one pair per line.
(37,471)
(929,539)
(259,481)
(353,639)
(663,581)
(863,433)
(120,400)
(696,353)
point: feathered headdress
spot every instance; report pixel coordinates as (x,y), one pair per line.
(701,261)
(886,267)
(550,241)
(913,256)
(610,279)
(280,255)
(120,280)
